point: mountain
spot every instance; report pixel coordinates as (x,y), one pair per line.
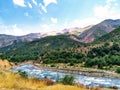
(73,31)
(113,36)
(88,34)
(32,50)
(6,40)
(99,30)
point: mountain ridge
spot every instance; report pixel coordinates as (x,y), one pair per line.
(98,30)
(6,40)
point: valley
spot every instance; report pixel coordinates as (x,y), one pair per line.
(66,53)
(59,45)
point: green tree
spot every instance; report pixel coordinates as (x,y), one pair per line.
(118,70)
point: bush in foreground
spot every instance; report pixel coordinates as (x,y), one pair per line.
(118,70)
(23,74)
(68,80)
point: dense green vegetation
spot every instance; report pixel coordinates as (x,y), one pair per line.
(62,56)
(104,56)
(68,80)
(107,54)
(118,70)
(23,74)
(2,57)
(100,56)
(34,49)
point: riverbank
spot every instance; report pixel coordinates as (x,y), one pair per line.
(85,72)
(88,81)
(80,71)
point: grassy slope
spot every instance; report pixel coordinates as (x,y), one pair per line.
(5,64)
(14,80)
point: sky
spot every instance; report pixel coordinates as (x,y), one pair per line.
(20,17)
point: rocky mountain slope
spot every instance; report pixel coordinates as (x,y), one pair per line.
(98,30)
(113,36)
(6,40)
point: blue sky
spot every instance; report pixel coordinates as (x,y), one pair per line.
(20,17)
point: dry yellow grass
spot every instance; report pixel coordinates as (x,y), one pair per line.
(5,64)
(62,87)
(11,81)
(68,87)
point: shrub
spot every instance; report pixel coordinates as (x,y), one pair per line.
(71,64)
(52,65)
(118,70)
(2,57)
(68,80)
(23,74)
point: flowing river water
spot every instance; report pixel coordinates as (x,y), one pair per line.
(34,71)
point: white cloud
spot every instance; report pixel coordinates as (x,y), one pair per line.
(85,22)
(54,20)
(108,11)
(102,11)
(47,2)
(34,1)
(12,30)
(29,5)
(17,31)
(45,27)
(109,1)
(19,3)
(43,8)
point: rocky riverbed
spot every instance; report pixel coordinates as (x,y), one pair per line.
(53,74)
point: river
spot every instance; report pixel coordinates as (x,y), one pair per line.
(34,71)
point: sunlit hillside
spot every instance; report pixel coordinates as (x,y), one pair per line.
(13,80)
(5,64)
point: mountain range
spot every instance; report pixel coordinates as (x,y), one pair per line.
(6,40)
(85,35)
(51,47)
(36,45)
